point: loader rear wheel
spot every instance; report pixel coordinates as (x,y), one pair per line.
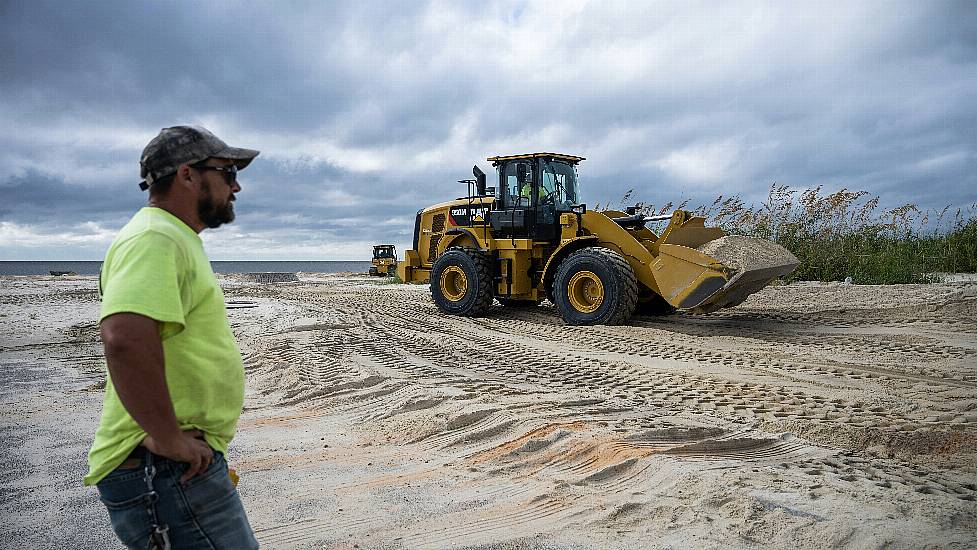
(595,286)
(461,282)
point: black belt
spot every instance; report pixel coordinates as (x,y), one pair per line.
(134,460)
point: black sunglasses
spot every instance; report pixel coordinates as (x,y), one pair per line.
(229,172)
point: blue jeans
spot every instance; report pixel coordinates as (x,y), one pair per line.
(206,513)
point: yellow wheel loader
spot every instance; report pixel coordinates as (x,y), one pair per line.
(529,238)
(384,262)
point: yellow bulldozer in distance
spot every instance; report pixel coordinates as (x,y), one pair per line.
(530,238)
(384,263)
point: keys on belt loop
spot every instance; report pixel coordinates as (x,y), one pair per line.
(159,537)
(149,472)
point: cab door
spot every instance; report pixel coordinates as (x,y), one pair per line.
(546,226)
(516,216)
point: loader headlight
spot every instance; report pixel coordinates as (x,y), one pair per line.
(579,209)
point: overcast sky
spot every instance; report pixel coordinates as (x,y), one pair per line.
(365,112)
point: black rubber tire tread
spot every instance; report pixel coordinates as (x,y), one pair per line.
(514,303)
(654,306)
(478,270)
(620,287)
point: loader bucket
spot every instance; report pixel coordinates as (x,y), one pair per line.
(720,273)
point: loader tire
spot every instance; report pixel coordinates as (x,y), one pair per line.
(461,282)
(595,286)
(513,303)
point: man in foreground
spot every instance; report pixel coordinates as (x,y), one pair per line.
(176,381)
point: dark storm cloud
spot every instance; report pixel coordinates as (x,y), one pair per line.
(161,58)
(38,198)
(365,113)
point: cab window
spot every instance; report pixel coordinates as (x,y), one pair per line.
(512,191)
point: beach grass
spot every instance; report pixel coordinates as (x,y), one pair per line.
(845,234)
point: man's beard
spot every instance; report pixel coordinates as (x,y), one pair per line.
(212,215)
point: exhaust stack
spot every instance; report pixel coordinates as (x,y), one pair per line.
(479,181)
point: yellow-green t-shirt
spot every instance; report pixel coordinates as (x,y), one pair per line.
(157,267)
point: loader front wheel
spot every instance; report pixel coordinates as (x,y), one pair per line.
(461,282)
(595,286)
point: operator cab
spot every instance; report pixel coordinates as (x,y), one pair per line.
(384,251)
(533,190)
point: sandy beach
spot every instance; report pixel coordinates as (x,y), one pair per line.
(811,416)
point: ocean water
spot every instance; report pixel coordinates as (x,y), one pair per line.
(92,268)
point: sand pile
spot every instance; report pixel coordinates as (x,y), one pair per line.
(750,254)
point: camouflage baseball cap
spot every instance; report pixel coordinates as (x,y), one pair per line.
(185,145)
